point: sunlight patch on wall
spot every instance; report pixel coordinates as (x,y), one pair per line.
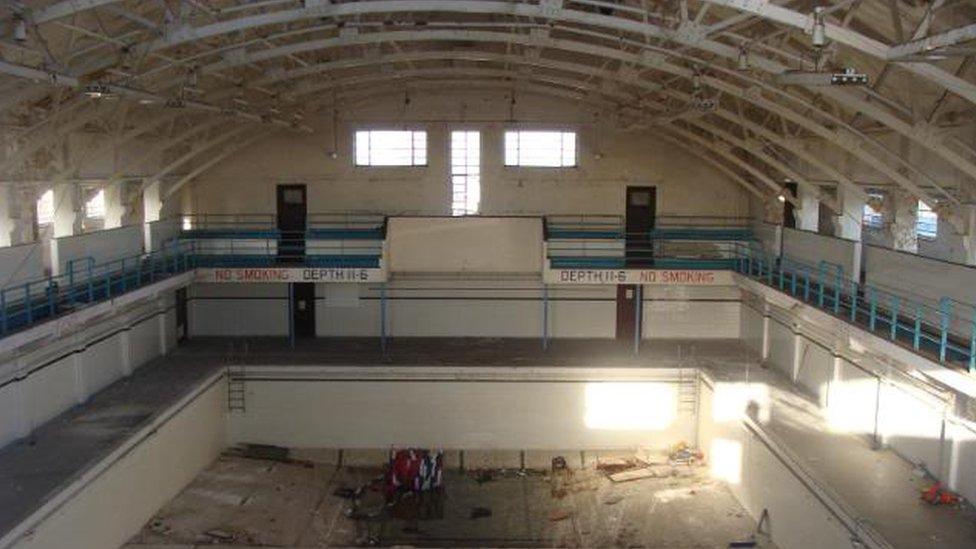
(629,406)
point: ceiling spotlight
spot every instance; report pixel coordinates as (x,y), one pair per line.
(97,90)
(20,29)
(819,38)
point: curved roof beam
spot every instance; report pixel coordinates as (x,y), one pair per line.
(686,34)
(712,161)
(680,35)
(560,65)
(556,65)
(570,15)
(842,35)
(918,134)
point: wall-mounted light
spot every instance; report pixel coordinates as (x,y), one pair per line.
(781,198)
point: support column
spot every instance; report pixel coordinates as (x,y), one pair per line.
(765,334)
(151,205)
(968,214)
(152,202)
(808,214)
(163,327)
(848,225)
(904,216)
(67,210)
(8,216)
(116,205)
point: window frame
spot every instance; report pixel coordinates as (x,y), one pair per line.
(413,148)
(37,208)
(875,219)
(918,222)
(451,164)
(101,215)
(518,165)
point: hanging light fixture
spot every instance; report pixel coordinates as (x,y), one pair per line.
(743,61)
(20,29)
(819,34)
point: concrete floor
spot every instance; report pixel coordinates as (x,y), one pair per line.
(588,353)
(35,469)
(879,485)
(262,503)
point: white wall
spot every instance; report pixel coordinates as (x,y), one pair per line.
(459,409)
(811,248)
(609,160)
(40,383)
(465,245)
(112,501)
(878,390)
(20,263)
(918,278)
(758,477)
(103,246)
(464,307)
(238,309)
(691,312)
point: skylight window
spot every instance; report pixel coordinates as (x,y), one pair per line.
(927,223)
(95,207)
(870,217)
(540,149)
(391,148)
(45,208)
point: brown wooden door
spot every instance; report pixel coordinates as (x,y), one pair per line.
(640,209)
(292,213)
(303,309)
(626,312)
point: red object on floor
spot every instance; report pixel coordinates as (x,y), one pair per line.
(939,495)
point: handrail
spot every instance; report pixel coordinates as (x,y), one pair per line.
(939,332)
(29,302)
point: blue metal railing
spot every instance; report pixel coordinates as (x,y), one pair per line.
(677,242)
(84,283)
(946,332)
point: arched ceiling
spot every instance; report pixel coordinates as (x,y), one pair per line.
(706,74)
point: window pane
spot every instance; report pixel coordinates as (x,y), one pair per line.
(96,206)
(927,223)
(465,172)
(540,149)
(45,208)
(391,148)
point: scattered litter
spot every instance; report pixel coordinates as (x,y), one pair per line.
(265,451)
(159,527)
(617,465)
(559,514)
(633,474)
(937,494)
(558,463)
(613,500)
(221,535)
(344,493)
(480,512)
(482,476)
(683,454)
